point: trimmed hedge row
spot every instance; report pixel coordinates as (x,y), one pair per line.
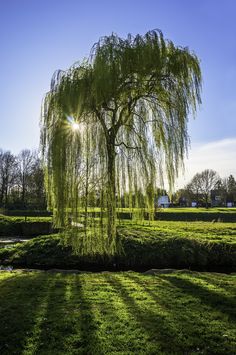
(160,215)
(27,213)
(22,228)
(196,216)
(177,252)
(178,216)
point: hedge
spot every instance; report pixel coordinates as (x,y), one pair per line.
(176,252)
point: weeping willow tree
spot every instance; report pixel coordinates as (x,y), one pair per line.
(113,123)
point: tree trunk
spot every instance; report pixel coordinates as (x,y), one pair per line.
(206,200)
(111,191)
(86,191)
(23,191)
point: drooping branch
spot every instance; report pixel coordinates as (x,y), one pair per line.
(130,102)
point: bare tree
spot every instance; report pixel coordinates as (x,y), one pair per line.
(36,190)
(194,187)
(26,160)
(202,183)
(8,175)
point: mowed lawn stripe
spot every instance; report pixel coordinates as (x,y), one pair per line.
(117,313)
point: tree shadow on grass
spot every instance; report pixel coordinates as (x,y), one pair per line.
(42,313)
(46,314)
(69,326)
(158,334)
(217,301)
(180,323)
(21,297)
(209,314)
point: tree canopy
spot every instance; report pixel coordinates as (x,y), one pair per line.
(114,122)
(202,184)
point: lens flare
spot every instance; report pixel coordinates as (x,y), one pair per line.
(75,126)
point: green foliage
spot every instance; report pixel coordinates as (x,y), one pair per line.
(21,226)
(173,214)
(197,215)
(125,313)
(196,245)
(26,213)
(129,103)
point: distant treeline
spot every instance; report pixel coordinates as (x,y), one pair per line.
(208,189)
(21,180)
(22,186)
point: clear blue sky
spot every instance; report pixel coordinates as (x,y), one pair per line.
(39,36)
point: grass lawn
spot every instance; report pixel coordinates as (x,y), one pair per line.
(199,210)
(174,209)
(202,231)
(195,245)
(117,313)
(14,219)
(22,226)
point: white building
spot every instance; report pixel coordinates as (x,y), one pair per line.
(163,201)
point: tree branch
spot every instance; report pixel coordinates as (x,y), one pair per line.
(126,146)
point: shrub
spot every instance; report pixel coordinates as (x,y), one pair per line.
(140,252)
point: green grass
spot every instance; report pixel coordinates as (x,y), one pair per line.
(21,226)
(14,219)
(195,245)
(198,210)
(172,209)
(117,313)
(176,214)
(202,231)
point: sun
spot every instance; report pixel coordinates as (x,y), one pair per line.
(75,126)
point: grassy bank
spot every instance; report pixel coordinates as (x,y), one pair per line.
(195,245)
(226,215)
(216,214)
(22,226)
(117,313)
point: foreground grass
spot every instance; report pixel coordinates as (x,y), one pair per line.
(117,313)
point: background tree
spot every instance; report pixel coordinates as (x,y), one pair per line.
(36,189)
(220,192)
(26,160)
(21,180)
(129,103)
(8,175)
(194,188)
(231,188)
(182,197)
(201,185)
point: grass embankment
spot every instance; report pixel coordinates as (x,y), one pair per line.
(219,214)
(171,209)
(197,214)
(25,226)
(195,245)
(117,313)
(199,209)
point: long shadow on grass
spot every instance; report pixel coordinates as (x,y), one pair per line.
(226,305)
(21,298)
(152,321)
(46,314)
(69,326)
(199,327)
